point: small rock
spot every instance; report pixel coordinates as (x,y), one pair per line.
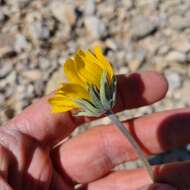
(29,91)
(33,75)
(5,69)
(174,79)
(18,3)
(63,12)
(188,56)
(44,63)
(150,45)
(95,27)
(181,44)
(179,22)
(152,5)
(56,79)
(6,44)
(134,64)
(159,63)
(135,58)
(164,49)
(20,43)
(128,4)
(185,92)
(123,70)
(2,15)
(39,87)
(11,78)
(141,27)
(111,44)
(39,30)
(90,6)
(176,56)
(2,99)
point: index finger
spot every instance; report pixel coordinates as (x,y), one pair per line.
(37,121)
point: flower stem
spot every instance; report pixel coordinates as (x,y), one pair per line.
(131,139)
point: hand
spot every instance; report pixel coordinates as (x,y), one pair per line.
(28,162)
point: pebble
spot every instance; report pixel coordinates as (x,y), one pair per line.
(55,80)
(179,22)
(33,75)
(174,79)
(11,77)
(188,56)
(39,87)
(95,27)
(63,12)
(5,69)
(21,43)
(176,56)
(89,7)
(18,3)
(134,65)
(6,44)
(2,100)
(37,28)
(44,63)
(2,15)
(185,92)
(181,44)
(141,27)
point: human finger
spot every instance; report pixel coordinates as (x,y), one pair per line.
(38,170)
(134,90)
(171,176)
(4,162)
(58,182)
(127,180)
(102,148)
(4,185)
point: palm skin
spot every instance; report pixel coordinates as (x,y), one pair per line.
(28,161)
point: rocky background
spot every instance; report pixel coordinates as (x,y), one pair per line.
(37,36)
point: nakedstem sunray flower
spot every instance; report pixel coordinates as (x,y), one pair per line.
(91,89)
(91,86)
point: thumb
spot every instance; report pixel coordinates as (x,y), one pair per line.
(158,186)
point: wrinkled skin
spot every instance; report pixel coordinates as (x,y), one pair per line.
(28,162)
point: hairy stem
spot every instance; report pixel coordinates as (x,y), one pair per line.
(131,139)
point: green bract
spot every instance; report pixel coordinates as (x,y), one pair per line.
(102,100)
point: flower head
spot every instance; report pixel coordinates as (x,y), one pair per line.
(91,86)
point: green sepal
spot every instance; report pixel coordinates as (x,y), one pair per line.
(113,90)
(105,93)
(94,94)
(102,100)
(87,106)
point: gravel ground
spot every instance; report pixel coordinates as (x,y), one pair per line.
(37,36)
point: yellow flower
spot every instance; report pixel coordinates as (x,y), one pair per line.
(88,73)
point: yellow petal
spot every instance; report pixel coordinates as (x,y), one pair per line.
(65,97)
(59,109)
(88,70)
(61,101)
(73,91)
(103,62)
(71,72)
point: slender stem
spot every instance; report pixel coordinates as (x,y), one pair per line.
(131,139)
